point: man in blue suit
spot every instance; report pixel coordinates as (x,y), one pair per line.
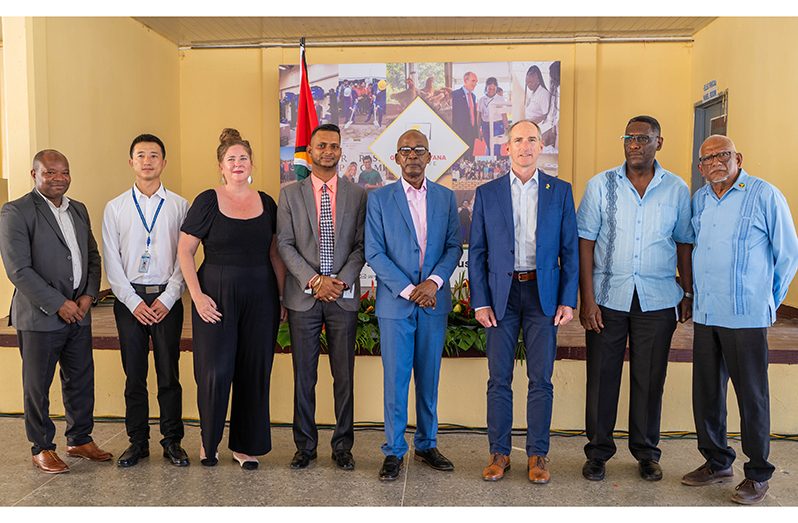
(523,266)
(413,245)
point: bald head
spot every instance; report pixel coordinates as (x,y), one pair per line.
(718,140)
(719,162)
(416,133)
(51,174)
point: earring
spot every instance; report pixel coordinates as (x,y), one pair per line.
(249,179)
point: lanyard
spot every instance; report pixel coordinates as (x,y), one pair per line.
(141,215)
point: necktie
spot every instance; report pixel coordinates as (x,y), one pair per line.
(470,107)
(326,233)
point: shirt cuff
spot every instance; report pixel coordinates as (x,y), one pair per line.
(406,291)
(483,307)
(437,279)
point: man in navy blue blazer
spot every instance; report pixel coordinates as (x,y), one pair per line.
(413,245)
(523,265)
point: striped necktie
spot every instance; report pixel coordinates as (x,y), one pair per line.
(326,233)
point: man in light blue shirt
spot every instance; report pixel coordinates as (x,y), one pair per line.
(634,230)
(746,255)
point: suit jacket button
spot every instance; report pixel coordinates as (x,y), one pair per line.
(70,278)
(509,274)
(69,257)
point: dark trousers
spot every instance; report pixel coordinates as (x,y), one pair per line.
(70,347)
(237,351)
(341,329)
(649,334)
(720,353)
(134,340)
(540,338)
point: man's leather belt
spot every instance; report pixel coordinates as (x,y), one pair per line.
(525,275)
(149,289)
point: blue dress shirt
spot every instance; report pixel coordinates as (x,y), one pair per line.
(525,219)
(745,256)
(635,237)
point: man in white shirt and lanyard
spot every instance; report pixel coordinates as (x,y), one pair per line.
(140,232)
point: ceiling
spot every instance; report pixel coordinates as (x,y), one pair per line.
(276,31)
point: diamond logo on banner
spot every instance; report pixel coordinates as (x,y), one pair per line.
(444,144)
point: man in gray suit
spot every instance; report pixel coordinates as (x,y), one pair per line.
(52,259)
(320,234)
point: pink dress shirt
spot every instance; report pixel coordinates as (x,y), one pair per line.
(417,201)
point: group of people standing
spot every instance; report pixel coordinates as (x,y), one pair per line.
(530,252)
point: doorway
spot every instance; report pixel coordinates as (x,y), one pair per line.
(710,118)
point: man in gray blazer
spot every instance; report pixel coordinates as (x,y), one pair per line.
(52,259)
(320,234)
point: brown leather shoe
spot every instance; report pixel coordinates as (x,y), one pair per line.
(499,464)
(704,475)
(750,492)
(538,469)
(89,451)
(49,462)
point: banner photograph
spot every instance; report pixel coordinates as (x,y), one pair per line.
(465,109)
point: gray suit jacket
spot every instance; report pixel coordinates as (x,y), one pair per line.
(298,239)
(38,262)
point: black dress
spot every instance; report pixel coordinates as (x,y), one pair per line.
(237,274)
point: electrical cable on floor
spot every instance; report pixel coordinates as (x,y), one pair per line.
(444,428)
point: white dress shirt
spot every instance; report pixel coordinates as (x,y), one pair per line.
(67,226)
(125,241)
(525,220)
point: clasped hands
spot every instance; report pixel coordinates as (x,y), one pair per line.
(152,314)
(327,288)
(424,293)
(75,311)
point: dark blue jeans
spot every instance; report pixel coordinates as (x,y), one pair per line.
(540,338)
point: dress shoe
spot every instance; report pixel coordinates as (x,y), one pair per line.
(246,462)
(132,455)
(175,454)
(704,475)
(538,469)
(89,451)
(208,462)
(434,459)
(343,459)
(302,459)
(390,468)
(499,464)
(49,462)
(750,492)
(593,469)
(649,470)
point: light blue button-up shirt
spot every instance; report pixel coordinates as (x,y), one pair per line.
(745,256)
(635,237)
(525,220)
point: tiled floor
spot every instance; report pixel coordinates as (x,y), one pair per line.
(155,482)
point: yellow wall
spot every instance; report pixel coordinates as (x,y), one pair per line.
(756,59)
(97,83)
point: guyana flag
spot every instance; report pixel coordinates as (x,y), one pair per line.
(307,120)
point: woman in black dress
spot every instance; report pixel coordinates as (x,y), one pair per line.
(236,309)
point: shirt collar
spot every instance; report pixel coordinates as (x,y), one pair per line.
(742,182)
(407,187)
(514,178)
(160,192)
(64,201)
(659,172)
(332,184)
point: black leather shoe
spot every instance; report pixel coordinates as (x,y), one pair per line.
(593,469)
(434,459)
(302,459)
(650,470)
(175,454)
(343,459)
(390,468)
(132,455)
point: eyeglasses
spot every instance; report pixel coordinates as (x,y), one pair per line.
(723,156)
(420,150)
(640,139)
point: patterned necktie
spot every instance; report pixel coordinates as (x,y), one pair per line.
(326,233)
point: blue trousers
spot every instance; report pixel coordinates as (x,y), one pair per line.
(413,344)
(540,338)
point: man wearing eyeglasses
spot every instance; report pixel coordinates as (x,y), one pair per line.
(746,255)
(413,245)
(634,231)
(523,268)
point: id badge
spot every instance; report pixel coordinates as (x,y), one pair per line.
(144,264)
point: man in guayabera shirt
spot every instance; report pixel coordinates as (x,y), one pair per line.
(746,254)
(634,230)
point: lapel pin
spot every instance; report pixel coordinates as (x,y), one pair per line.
(741,185)
(548,186)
